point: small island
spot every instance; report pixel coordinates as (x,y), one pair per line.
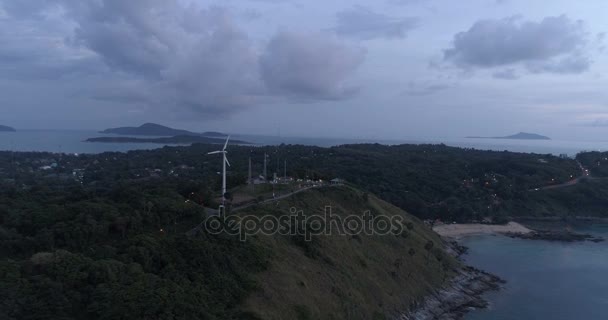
(6,129)
(180,139)
(517,136)
(153,129)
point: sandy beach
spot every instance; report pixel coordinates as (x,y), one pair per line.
(462,230)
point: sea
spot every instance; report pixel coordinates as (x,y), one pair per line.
(545,280)
(69,141)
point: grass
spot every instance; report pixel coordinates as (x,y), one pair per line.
(346,277)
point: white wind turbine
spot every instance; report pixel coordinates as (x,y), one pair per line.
(224,163)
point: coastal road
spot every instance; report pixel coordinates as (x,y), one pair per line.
(584,175)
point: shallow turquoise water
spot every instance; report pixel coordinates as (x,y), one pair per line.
(546,280)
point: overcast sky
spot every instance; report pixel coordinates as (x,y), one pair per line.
(376,69)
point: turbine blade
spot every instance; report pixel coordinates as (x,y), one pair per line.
(227,162)
(226,144)
(214,152)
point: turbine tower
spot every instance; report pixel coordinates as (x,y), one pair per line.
(224,163)
(250,179)
(265,173)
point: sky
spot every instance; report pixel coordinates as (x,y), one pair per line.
(386,69)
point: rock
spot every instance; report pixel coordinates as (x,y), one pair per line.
(463,294)
(550,235)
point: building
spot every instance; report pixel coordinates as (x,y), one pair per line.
(337,181)
(258,180)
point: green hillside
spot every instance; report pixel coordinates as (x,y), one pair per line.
(346,277)
(123,253)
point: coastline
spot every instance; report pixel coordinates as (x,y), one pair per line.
(462,295)
(464,292)
(459,231)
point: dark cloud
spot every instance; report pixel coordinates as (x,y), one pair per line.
(555,44)
(309,66)
(167,54)
(191,58)
(362,23)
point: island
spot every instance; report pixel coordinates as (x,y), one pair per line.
(180,139)
(517,136)
(6,129)
(153,129)
(213,134)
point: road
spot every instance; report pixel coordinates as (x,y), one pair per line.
(215,212)
(584,175)
(275,198)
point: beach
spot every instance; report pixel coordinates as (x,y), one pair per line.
(457,231)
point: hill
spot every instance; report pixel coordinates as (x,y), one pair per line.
(121,251)
(153,129)
(6,129)
(432,181)
(428,181)
(213,134)
(518,136)
(347,276)
(181,139)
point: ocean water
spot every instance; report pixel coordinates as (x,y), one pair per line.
(73,142)
(545,280)
(63,141)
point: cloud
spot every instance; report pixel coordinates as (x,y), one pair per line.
(567,65)
(406,2)
(309,66)
(506,74)
(425,89)
(362,23)
(555,45)
(600,122)
(172,55)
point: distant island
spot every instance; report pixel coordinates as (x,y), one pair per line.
(213,134)
(180,139)
(6,129)
(518,136)
(153,129)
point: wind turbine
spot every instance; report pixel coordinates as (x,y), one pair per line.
(224,163)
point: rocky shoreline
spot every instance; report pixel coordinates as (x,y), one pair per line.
(550,235)
(462,295)
(464,292)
